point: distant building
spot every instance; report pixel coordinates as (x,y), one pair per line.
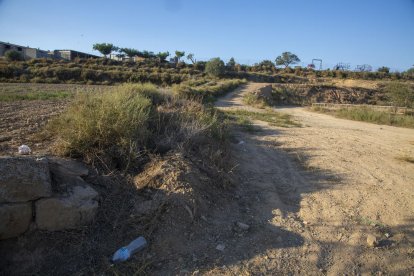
(29,53)
(118,57)
(124,58)
(26,52)
(71,54)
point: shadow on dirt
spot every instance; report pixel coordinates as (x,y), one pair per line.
(267,195)
(193,220)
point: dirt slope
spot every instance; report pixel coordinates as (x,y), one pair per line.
(329,184)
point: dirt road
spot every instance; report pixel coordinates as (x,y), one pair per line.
(329,185)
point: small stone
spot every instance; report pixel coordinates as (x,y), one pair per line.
(220,247)
(387,235)
(372,241)
(243,226)
(24,150)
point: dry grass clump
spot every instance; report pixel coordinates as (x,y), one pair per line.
(206,91)
(269,116)
(256,101)
(120,126)
(114,123)
(367,114)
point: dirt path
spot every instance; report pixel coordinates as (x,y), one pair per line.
(324,188)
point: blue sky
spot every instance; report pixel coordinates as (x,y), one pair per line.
(375,32)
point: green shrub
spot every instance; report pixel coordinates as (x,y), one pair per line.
(215,67)
(384,69)
(13,55)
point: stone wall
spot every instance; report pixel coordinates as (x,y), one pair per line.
(43,193)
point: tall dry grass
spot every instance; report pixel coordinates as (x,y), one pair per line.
(366,114)
(119,126)
(206,91)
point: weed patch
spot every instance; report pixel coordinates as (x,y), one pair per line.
(118,128)
(365,114)
(269,116)
(253,100)
(57,95)
(206,91)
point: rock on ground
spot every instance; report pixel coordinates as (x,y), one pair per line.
(67,167)
(77,208)
(24,179)
(15,219)
(372,241)
(264,92)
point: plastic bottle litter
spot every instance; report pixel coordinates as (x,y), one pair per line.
(124,253)
(24,149)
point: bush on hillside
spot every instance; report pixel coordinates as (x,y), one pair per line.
(206,91)
(400,94)
(215,67)
(13,56)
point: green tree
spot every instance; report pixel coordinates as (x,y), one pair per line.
(130,52)
(215,67)
(231,63)
(162,56)
(147,54)
(266,63)
(286,59)
(105,48)
(179,55)
(400,94)
(384,69)
(190,57)
(13,55)
(410,72)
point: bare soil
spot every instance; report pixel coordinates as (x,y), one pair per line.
(21,121)
(348,183)
(309,195)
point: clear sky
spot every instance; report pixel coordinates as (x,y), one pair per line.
(375,32)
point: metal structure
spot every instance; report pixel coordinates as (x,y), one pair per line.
(342,66)
(313,66)
(364,68)
(317,60)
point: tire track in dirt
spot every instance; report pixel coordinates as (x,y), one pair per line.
(346,184)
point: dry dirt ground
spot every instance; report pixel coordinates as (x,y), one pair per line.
(21,120)
(345,185)
(307,198)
